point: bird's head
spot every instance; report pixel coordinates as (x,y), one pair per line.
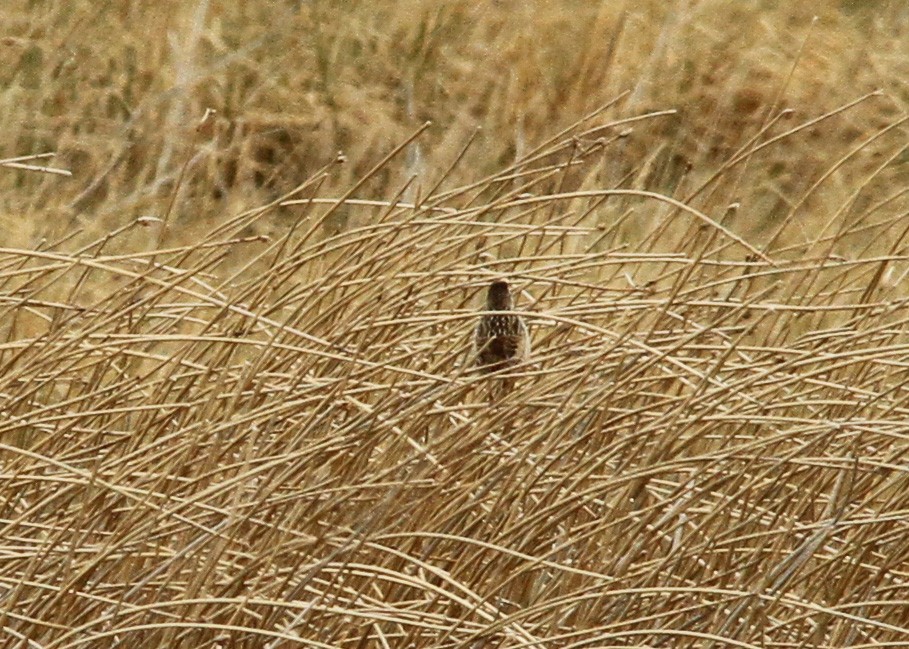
(498,298)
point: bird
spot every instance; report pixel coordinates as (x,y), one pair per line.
(501,340)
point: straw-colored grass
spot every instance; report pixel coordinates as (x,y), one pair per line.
(256,425)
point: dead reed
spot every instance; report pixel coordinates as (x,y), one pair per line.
(707,448)
(236,405)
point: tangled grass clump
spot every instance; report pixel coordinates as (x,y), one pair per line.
(252,442)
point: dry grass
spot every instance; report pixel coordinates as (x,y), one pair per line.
(240,414)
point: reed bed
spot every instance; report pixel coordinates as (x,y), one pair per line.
(237,400)
(246,441)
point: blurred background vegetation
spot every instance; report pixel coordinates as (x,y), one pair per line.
(118,91)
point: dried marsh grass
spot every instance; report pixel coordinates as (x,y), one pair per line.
(236,400)
(707,448)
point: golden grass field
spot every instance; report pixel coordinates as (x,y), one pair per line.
(237,407)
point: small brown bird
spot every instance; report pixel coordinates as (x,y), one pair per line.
(501,340)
